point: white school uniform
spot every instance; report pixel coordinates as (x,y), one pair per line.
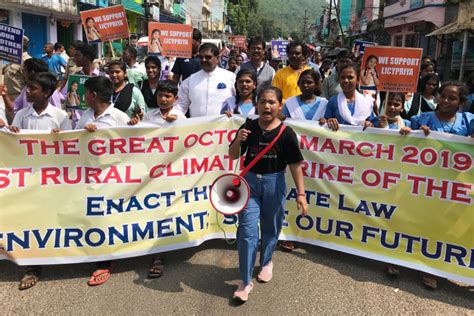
(204,92)
(110,118)
(155,116)
(50,118)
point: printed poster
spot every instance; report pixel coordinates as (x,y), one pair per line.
(393,69)
(11,43)
(279,49)
(75,92)
(107,24)
(170,39)
(359,47)
(238,40)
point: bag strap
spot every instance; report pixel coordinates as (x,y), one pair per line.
(263,152)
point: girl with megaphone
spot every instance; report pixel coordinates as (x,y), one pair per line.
(266,179)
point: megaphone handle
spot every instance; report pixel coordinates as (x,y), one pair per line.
(263,152)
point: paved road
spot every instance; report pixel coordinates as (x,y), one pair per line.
(201,281)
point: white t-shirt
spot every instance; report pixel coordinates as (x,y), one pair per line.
(50,118)
(110,118)
(155,116)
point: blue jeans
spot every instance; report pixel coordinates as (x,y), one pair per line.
(267,206)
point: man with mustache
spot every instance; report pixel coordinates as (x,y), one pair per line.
(204,92)
(257,63)
(286,79)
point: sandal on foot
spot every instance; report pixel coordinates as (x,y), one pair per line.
(100,276)
(30,278)
(157,268)
(287,245)
(266,273)
(242,292)
(392,270)
(430,281)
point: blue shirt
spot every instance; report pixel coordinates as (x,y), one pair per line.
(309,109)
(376,123)
(463,125)
(332,111)
(54,64)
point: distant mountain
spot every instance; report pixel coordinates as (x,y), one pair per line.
(288,14)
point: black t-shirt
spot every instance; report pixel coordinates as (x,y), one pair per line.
(185,67)
(284,152)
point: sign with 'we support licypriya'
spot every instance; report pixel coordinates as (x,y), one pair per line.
(117,193)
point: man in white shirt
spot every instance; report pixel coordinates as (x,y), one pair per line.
(204,91)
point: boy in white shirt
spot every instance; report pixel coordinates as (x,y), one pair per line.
(40,116)
(101,113)
(166,97)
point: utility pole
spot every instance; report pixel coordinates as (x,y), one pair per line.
(338,16)
(329,20)
(305,20)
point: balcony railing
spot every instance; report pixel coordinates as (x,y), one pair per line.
(63,6)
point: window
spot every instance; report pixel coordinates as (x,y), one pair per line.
(411,40)
(398,41)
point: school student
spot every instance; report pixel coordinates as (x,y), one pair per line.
(308,105)
(425,99)
(244,100)
(126,97)
(349,107)
(101,114)
(41,115)
(166,96)
(446,119)
(392,119)
(267,184)
(31,67)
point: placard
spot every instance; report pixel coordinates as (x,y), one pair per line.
(107,24)
(170,39)
(11,43)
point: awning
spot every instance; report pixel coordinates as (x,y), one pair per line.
(447,29)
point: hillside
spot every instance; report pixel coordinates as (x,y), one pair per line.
(288,14)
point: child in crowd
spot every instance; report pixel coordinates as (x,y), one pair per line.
(232,64)
(392,119)
(40,116)
(308,105)
(166,96)
(267,183)
(244,100)
(447,118)
(101,114)
(425,100)
(31,67)
(349,106)
(126,97)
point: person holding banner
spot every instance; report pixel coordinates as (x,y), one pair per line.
(204,92)
(266,179)
(447,118)
(391,119)
(349,107)
(308,105)
(41,115)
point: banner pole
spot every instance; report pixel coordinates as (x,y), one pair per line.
(112,49)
